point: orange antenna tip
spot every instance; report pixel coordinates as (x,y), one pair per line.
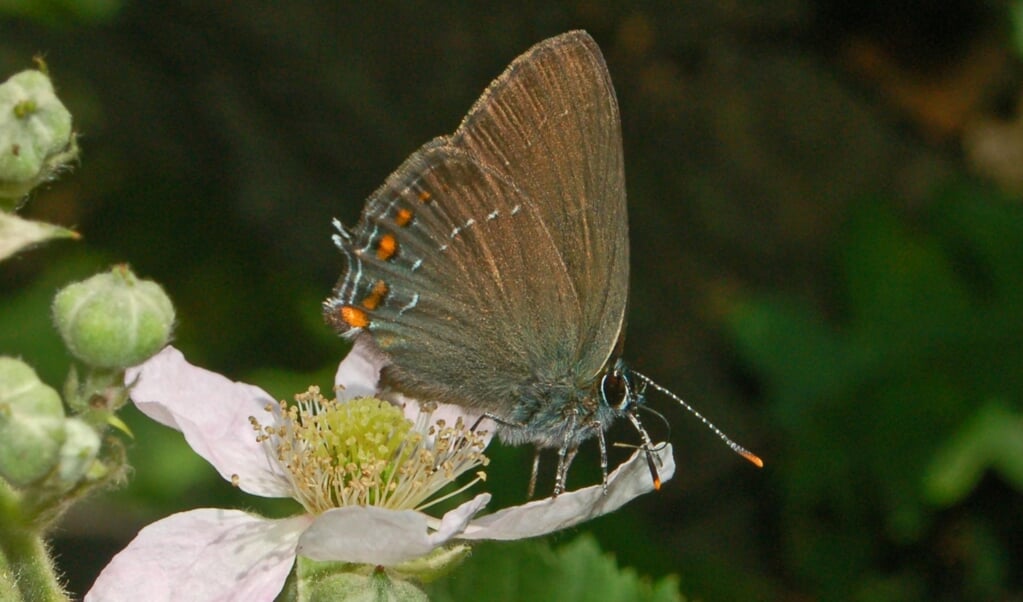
(753,458)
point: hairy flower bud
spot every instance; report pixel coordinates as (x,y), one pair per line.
(31,424)
(114,320)
(36,138)
(78,454)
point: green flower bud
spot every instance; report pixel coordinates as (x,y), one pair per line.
(78,454)
(36,138)
(324,581)
(31,424)
(114,320)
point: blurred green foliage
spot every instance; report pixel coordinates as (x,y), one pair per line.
(888,412)
(992,439)
(574,572)
(62,12)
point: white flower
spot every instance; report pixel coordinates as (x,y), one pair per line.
(219,554)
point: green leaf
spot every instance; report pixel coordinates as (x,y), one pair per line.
(17,234)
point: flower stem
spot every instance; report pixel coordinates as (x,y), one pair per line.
(26,570)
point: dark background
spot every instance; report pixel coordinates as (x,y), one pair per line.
(825,237)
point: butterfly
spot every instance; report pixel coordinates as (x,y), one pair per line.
(491,269)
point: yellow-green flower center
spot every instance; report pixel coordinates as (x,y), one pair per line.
(365,452)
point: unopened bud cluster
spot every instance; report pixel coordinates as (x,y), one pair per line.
(110,321)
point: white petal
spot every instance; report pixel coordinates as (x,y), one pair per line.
(359,373)
(371,535)
(454,522)
(630,480)
(213,413)
(205,554)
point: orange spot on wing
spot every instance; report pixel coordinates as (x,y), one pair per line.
(376,296)
(424,196)
(354,317)
(403,217)
(387,247)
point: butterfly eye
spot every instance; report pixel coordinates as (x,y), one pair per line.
(616,390)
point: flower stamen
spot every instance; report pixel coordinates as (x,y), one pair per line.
(365,452)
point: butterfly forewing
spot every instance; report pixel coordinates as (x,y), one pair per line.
(551,124)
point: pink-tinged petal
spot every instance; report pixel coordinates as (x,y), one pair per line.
(453,523)
(213,413)
(359,373)
(630,480)
(206,554)
(371,535)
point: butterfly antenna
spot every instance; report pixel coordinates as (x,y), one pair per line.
(742,451)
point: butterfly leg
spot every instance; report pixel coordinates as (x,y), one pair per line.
(532,477)
(497,419)
(648,448)
(603,456)
(566,453)
(563,470)
(565,457)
